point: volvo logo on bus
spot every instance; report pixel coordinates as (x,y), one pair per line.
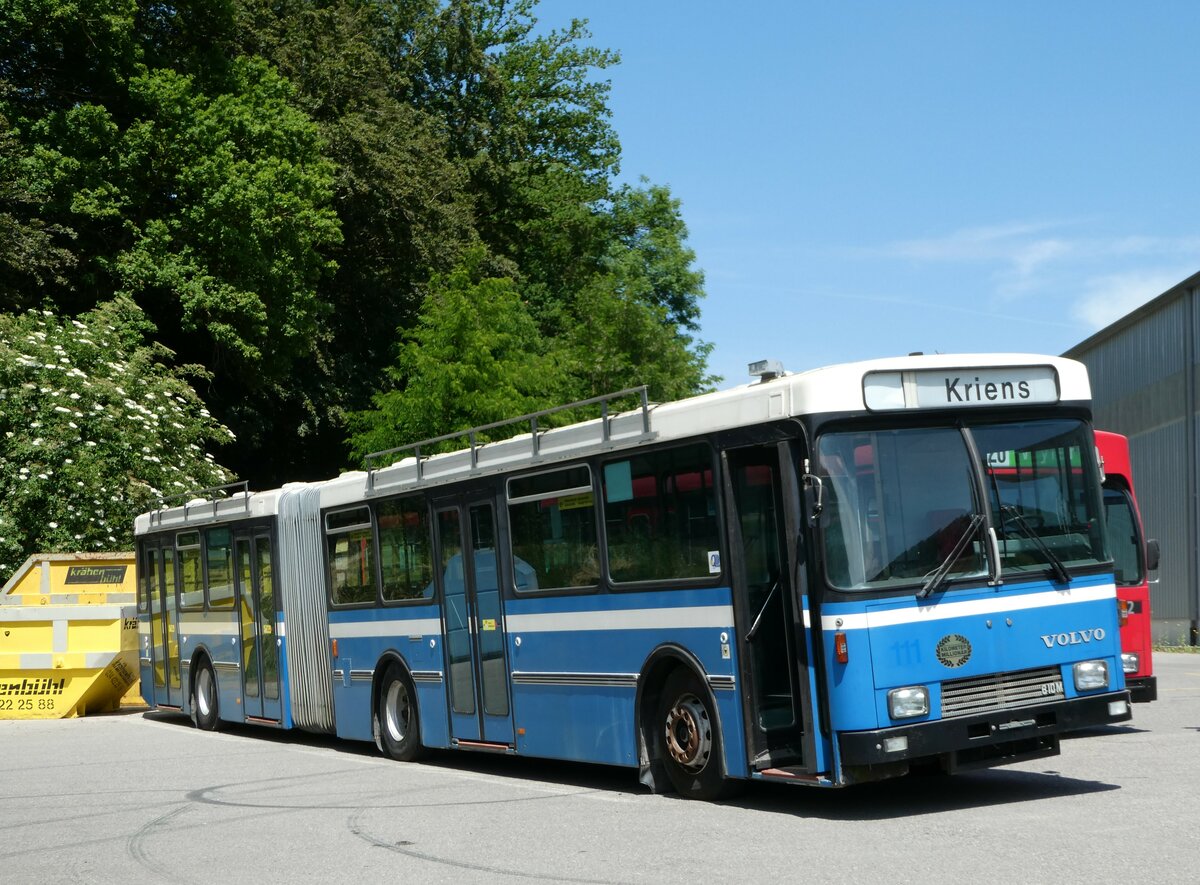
(953,650)
(1075,637)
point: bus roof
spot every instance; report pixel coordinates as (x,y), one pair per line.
(843,388)
(201,511)
(880,385)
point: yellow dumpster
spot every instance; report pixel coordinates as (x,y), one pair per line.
(68,636)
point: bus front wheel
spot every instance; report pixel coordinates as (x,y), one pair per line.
(691,742)
(399,722)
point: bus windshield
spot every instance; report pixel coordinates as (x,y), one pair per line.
(904,504)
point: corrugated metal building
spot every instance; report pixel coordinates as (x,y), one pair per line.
(1145,384)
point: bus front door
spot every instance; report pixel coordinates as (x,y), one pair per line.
(260,645)
(771,640)
(477,672)
(164,626)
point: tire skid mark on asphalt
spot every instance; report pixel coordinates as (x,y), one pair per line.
(28,823)
(354,825)
(340,753)
(136,847)
(212,796)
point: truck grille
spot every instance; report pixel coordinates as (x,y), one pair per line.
(1001,691)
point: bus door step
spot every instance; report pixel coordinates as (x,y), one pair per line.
(256,720)
(792,774)
(485,746)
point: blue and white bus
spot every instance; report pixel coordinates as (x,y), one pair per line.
(821,578)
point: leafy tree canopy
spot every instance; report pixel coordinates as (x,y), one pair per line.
(474,357)
(287,188)
(95,427)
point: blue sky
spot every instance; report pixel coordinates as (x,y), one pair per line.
(869,179)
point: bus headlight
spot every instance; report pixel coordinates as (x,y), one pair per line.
(1091,675)
(1130,662)
(905,703)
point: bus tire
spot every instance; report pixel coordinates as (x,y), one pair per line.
(205,701)
(399,721)
(690,739)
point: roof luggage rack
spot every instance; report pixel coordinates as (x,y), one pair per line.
(212,496)
(414,449)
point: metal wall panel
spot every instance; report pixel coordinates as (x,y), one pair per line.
(1159,460)
(1145,355)
(1143,386)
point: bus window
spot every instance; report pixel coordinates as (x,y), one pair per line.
(1043,493)
(351,556)
(898,503)
(660,515)
(191,579)
(219,557)
(405,557)
(553,524)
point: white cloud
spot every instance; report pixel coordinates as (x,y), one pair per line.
(1108,298)
(1005,242)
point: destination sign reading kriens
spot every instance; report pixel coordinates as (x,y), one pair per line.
(960,388)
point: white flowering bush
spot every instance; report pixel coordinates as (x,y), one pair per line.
(94,429)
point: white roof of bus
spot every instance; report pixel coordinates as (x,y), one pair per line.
(831,389)
(201,511)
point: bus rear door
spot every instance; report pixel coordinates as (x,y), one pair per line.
(260,645)
(159,563)
(473,622)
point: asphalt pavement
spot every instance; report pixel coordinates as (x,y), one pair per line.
(145,797)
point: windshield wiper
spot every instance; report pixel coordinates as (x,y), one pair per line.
(938,577)
(1056,567)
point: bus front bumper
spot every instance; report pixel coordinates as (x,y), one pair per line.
(984,740)
(1142,688)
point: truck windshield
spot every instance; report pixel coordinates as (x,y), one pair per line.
(900,501)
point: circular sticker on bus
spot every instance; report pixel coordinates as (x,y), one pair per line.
(953,650)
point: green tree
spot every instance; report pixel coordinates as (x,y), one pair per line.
(34,254)
(403,206)
(95,427)
(186,178)
(526,118)
(227,202)
(474,357)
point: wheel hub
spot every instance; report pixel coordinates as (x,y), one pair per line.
(689,733)
(204,695)
(396,711)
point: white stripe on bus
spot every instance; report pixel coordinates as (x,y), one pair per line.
(941,611)
(623,619)
(197,627)
(364,629)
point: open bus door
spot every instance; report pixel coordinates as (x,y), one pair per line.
(773,642)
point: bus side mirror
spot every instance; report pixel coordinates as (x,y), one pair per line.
(1152,554)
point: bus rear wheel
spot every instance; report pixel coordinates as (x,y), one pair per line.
(691,741)
(399,722)
(205,703)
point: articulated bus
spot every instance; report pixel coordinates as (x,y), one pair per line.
(820,578)
(1134,557)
